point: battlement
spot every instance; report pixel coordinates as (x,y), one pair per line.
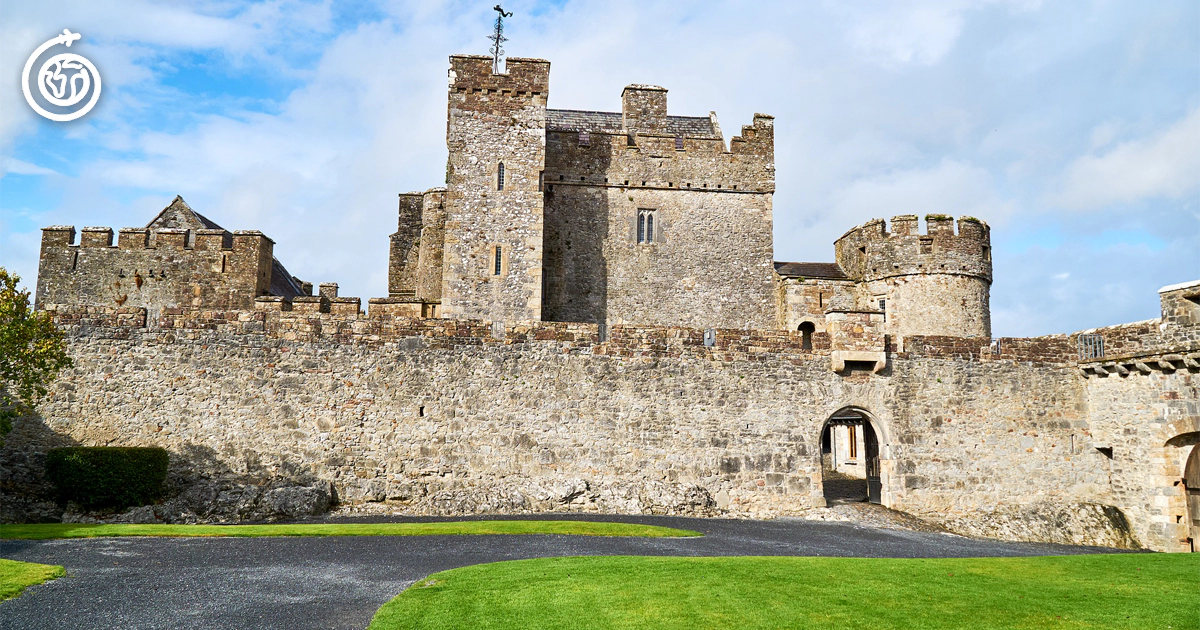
(521,78)
(180,259)
(130,239)
(756,139)
(870,252)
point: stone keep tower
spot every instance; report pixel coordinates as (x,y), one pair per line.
(496,136)
(935,283)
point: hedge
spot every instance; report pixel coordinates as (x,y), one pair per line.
(107,476)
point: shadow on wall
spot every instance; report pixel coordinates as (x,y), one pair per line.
(576,230)
(25,495)
(201,487)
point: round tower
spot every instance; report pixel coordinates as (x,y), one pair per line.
(936,283)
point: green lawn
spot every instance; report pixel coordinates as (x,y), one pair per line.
(578,528)
(15,576)
(1140,591)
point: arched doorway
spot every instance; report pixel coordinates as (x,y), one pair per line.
(851,469)
(1191,483)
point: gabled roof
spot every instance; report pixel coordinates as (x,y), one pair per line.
(179,215)
(824,271)
(612,122)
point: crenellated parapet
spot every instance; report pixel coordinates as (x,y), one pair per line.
(870,252)
(757,139)
(180,259)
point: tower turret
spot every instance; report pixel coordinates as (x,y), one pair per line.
(932,283)
(496,136)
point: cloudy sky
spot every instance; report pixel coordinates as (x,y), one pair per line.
(1072,127)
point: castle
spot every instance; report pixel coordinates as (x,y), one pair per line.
(589,316)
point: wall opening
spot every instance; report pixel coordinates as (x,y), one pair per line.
(1191,485)
(851,470)
(806,332)
(500,176)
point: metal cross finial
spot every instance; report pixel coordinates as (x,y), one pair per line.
(498,38)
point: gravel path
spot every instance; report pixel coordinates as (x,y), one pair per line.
(339,582)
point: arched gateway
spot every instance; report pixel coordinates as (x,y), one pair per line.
(1191,480)
(852,468)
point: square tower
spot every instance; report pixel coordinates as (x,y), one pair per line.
(496,136)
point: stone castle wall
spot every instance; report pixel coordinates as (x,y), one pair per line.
(449,417)
(596,271)
(712,222)
(496,136)
(154,268)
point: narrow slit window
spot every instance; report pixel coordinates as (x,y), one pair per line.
(806,332)
(497,258)
(500,176)
(650,227)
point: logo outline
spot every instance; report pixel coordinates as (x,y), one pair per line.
(61,61)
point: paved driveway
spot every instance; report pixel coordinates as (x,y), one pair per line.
(339,582)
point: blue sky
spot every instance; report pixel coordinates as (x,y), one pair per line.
(1073,128)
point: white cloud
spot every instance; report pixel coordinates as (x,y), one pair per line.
(950,187)
(1164,165)
(899,33)
(20,167)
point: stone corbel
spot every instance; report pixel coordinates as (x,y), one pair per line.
(839,358)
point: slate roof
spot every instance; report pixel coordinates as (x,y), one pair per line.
(610,122)
(824,271)
(284,284)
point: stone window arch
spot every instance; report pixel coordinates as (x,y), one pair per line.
(806,333)
(647,230)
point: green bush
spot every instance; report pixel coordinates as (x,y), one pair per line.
(107,476)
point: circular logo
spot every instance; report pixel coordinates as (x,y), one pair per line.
(64,80)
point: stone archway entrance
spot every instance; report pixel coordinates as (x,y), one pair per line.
(1191,481)
(850,458)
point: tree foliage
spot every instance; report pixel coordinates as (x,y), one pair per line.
(32,352)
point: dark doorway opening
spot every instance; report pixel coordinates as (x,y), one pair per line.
(850,470)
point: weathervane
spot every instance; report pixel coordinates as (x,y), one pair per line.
(498,38)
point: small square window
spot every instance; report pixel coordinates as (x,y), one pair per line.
(678,143)
(585,139)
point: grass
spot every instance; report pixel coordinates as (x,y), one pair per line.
(1095,591)
(15,576)
(45,531)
